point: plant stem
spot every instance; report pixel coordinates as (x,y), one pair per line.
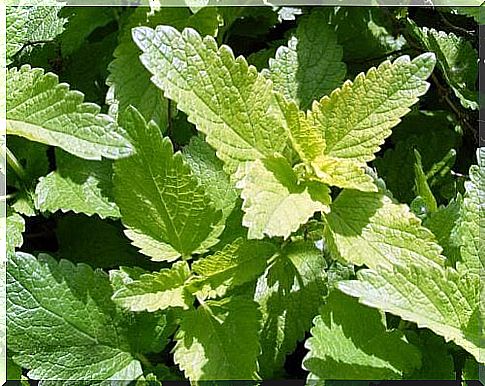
(15,165)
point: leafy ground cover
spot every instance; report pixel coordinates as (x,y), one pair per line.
(243,194)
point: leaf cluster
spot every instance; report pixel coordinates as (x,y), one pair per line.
(239,193)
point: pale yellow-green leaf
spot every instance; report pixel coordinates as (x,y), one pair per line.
(156,291)
(356,118)
(219,340)
(224,97)
(434,297)
(369,229)
(166,212)
(351,341)
(275,202)
(471,225)
(41,109)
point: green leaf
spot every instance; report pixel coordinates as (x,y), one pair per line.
(24,203)
(355,119)
(310,66)
(219,340)
(289,294)
(308,142)
(471,369)
(157,291)
(149,380)
(147,332)
(129,81)
(166,212)
(224,97)
(14,372)
(437,363)
(84,339)
(350,341)
(421,185)
(233,228)
(444,224)
(86,69)
(43,110)
(260,59)
(235,264)
(475,12)
(15,228)
(82,21)
(77,185)
(434,134)
(275,202)
(209,171)
(438,298)
(32,156)
(34,22)
(472,220)
(368,228)
(372,26)
(457,60)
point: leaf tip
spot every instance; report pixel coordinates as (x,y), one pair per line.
(141,35)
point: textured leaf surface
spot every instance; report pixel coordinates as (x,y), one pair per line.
(224,97)
(77,185)
(350,341)
(368,228)
(129,81)
(355,119)
(219,340)
(43,110)
(289,294)
(457,60)
(235,264)
(30,23)
(24,204)
(310,66)
(472,220)
(441,299)
(444,224)
(307,140)
(63,325)
(157,291)
(15,228)
(209,171)
(165,210)
(275,203)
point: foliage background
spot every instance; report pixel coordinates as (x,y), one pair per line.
(69,207)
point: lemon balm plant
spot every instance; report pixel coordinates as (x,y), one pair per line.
(257,193)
